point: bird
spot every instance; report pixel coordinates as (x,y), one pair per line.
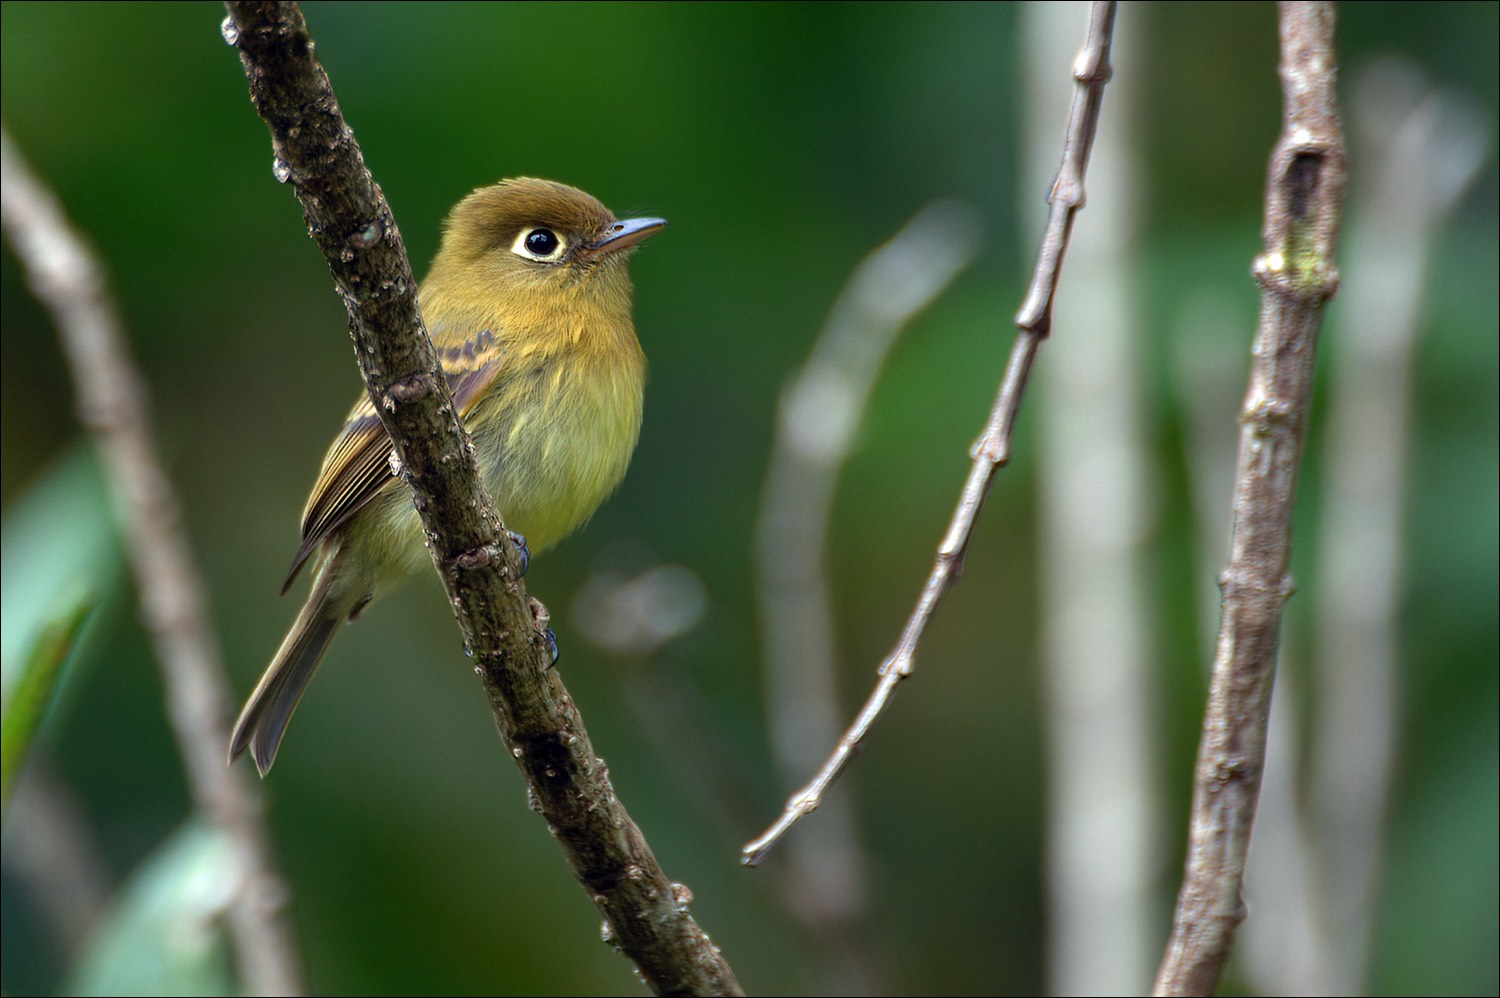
(528,302)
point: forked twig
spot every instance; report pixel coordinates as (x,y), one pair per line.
(992,450)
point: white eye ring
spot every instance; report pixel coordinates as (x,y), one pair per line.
(540,243)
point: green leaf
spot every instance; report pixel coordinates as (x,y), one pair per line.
(164,935)
(32,693)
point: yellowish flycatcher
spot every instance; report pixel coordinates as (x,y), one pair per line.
(528,304)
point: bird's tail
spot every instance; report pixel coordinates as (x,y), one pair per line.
(269,709)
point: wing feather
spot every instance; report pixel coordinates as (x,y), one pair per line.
(358,465)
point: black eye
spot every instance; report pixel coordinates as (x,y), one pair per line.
(542,242)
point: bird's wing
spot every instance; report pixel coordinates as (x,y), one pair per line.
(358,466)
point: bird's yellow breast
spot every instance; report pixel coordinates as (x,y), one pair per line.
(556,435)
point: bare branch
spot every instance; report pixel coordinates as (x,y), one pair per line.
(112,405)
(992,450)
(646,915)
(1304,194)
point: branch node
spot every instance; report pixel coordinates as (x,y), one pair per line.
(407,390)
(1240,583)
(1267,415)
(368,236)
(477,557)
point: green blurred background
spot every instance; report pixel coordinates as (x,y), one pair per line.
(783,142)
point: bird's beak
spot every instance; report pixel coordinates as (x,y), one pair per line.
(623,235)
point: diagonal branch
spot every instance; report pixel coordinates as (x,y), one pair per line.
(646,914)
(1304,195)
(992,450)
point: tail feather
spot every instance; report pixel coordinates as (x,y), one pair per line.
(269,709)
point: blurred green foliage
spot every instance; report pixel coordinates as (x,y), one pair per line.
(164,934)
(783,142)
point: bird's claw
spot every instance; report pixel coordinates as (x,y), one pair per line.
(522,550)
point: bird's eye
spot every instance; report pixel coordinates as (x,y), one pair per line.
(539,244)
(542,242)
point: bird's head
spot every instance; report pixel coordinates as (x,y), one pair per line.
(527,245)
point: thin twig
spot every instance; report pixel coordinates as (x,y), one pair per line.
(112,405)
(1304,193)
(1091,71)
(646,915)
(821,408)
